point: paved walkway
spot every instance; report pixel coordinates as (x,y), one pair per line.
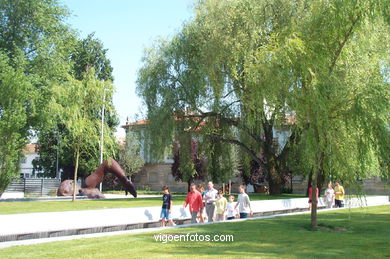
(135,231)
(56,224)
(108,196)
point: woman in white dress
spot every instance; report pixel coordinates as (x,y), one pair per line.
(329,196)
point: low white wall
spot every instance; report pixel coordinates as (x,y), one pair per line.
(12,195)
(153,213)
(52,221)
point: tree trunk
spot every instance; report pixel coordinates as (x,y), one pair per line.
(189,185)
(274,179)
(314,224)
(317,171)
(321,179)
(309,182)
(75,174)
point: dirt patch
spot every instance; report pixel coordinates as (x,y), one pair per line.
(332,229)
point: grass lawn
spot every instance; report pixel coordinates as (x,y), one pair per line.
(46,206)
(356,233)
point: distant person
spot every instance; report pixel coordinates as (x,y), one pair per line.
(209,197)
(243,203)
(166,207)
(310,194)
(329,196)
(339,195)
(220,207)
(194,200)
(200,189)
(231,211)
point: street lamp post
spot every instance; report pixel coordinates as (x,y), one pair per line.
(102,134)
(58,149)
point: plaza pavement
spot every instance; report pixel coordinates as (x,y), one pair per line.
(93,223)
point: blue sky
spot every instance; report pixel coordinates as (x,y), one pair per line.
(126,27)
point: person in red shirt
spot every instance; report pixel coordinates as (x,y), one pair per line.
(310,194)
(195,201)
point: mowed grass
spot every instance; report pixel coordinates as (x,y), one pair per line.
(50,206)
(355,233)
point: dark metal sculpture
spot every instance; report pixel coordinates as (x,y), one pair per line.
(108,166)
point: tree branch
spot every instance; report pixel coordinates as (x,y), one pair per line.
(228,120)
(342,44)
(244,147)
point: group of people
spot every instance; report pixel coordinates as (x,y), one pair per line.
(210,202)
(332,196)
(217,208)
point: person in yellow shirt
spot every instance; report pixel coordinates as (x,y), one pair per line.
(339,195)
(220,206)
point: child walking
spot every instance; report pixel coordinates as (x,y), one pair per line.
(166,207)
(243,203)
(220,205)
(231,211)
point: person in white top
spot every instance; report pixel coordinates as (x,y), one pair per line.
(329,196)
(209,198)
(231,211)
(243,203)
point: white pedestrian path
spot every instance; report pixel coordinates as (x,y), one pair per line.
(19,224)
(144,230)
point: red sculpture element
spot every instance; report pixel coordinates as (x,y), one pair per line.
(108,166)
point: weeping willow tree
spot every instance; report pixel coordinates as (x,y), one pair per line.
(197,82)
(340,88)
(239,69)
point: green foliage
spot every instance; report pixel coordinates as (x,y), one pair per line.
(76,103)
(199,81)
(15,93)
(43,55)
(235,71)
(35,45)
(129,155)
(341,91)
(90,53)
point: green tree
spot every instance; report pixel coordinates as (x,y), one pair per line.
(241,67)
(203,71)
(75,101)
(129,156)
(34,42)
(339,88)
(87,55)
(15,92)
(90,53)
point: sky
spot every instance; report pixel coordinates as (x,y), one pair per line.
(126,28)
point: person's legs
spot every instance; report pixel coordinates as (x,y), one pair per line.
(162,217)
(210,207)
(194,215)
(337,203)
(200,216)
(169,218)
(243,215)
(230,218)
